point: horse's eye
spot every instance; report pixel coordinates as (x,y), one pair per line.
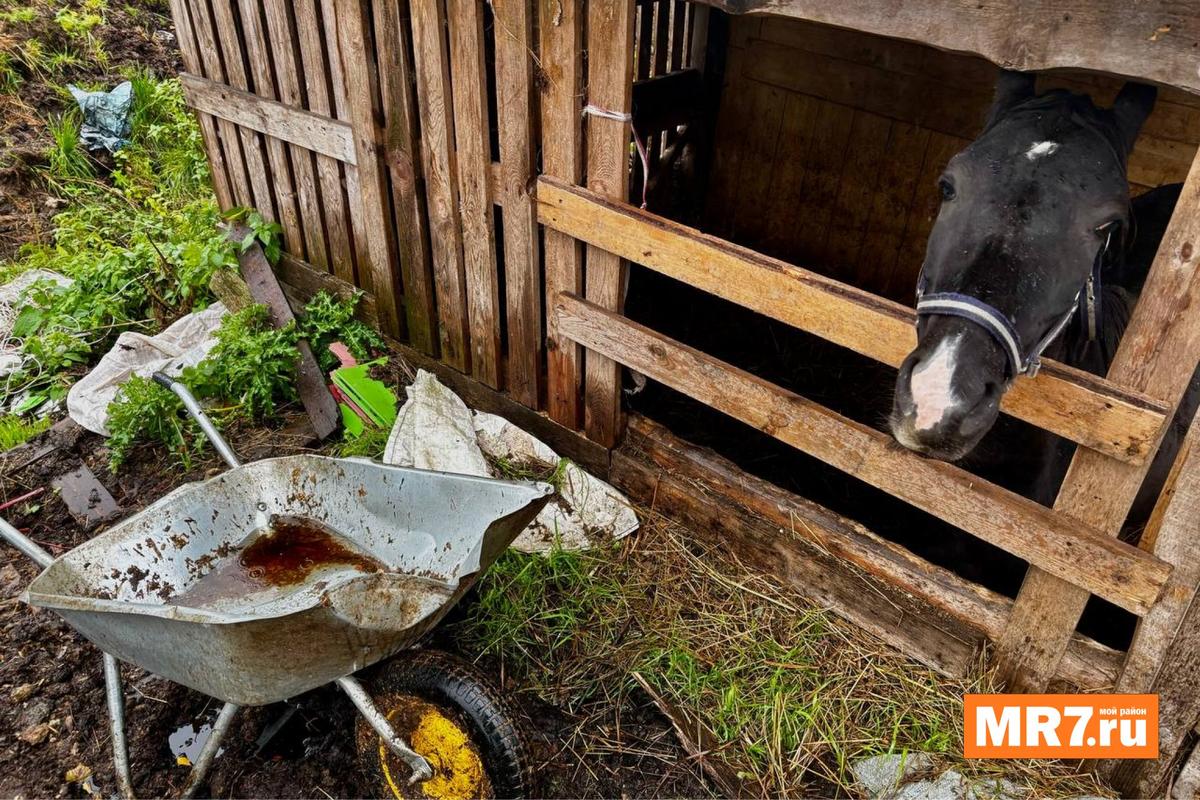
(947,189)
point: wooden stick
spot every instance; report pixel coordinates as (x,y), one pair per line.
(1157,355)
(1125,575)
(1099,414)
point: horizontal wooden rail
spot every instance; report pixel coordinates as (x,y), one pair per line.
(1065,401)
(315,132)
(1066,548)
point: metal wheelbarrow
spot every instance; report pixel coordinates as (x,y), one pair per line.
(277,577)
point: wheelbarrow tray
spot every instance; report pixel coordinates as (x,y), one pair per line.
(431,533)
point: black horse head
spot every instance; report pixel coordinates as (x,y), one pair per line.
(1029,210)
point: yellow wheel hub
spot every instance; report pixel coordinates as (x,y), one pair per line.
(457,764)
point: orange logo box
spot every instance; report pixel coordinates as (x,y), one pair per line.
(1060,726)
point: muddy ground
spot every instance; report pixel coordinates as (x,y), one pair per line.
(53,719)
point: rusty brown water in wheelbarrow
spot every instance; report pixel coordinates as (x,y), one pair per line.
(284,554)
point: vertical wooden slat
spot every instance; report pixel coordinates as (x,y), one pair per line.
(283,48)
(522,272)
(360,82)
(610,88)
(341,108)
(432,63)
(222,186)
(697,35)
(468,72)
(400,153)
(263,84)
(252,143)
(562,157)
(231,141)
(1157,356)
(317,85)
(678,34)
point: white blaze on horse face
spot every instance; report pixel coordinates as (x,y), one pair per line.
(1039,149)
(931,385)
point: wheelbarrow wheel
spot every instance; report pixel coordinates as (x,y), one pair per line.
(430,696)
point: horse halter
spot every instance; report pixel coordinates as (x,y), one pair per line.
(1001,328)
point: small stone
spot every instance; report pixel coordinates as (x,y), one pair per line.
(880,775)
(33,712)
(35,735)
(164,36)
(22,693)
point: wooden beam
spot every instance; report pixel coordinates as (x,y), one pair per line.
(400,145)
(901,621)
(359,73)
(609,88)
(1088,666)
(472,136)
(1118,572)
(315,132)
(1174,535)
(1065,401)
(516,122)
(1152,41)
(562,158)
(1157,356)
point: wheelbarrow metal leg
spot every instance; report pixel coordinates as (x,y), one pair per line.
(210,749)
(366,706)
(116,721)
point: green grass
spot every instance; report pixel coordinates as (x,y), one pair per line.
(67,157)
(369,445)
(15,430)
(795,694)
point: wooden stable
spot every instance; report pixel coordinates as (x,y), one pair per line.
(468,165)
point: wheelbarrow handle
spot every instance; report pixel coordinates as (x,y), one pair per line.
(197,413)
(23,543)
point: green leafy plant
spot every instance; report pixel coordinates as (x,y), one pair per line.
(329,318)
(15,430)
(250,371)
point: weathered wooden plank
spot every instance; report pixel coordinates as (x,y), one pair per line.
(1088,665)
(285,55)
(400,146)
(190,50)
(432,64)
(472,125)
(341,111)
(1153,41)
(313,131)
(360,83)
(1074,552)
(610,87)
(1178,688)
(899,620)
(314,394)
(1157,356)
(316,72)
(231,144)
(1173,534)
(287,201)
(522,262)
(562,158)
(1096,413)
(253,145)
(866,160)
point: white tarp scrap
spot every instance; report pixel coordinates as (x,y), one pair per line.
(435,430)
(184,344)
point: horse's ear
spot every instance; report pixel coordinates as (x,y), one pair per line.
(1011,88)
(1132,106)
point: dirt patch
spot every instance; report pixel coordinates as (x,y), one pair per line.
(52,714)
(136,34)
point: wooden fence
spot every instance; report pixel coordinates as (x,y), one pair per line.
(466,166)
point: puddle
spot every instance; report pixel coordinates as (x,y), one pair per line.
(283,554)
(188,740)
